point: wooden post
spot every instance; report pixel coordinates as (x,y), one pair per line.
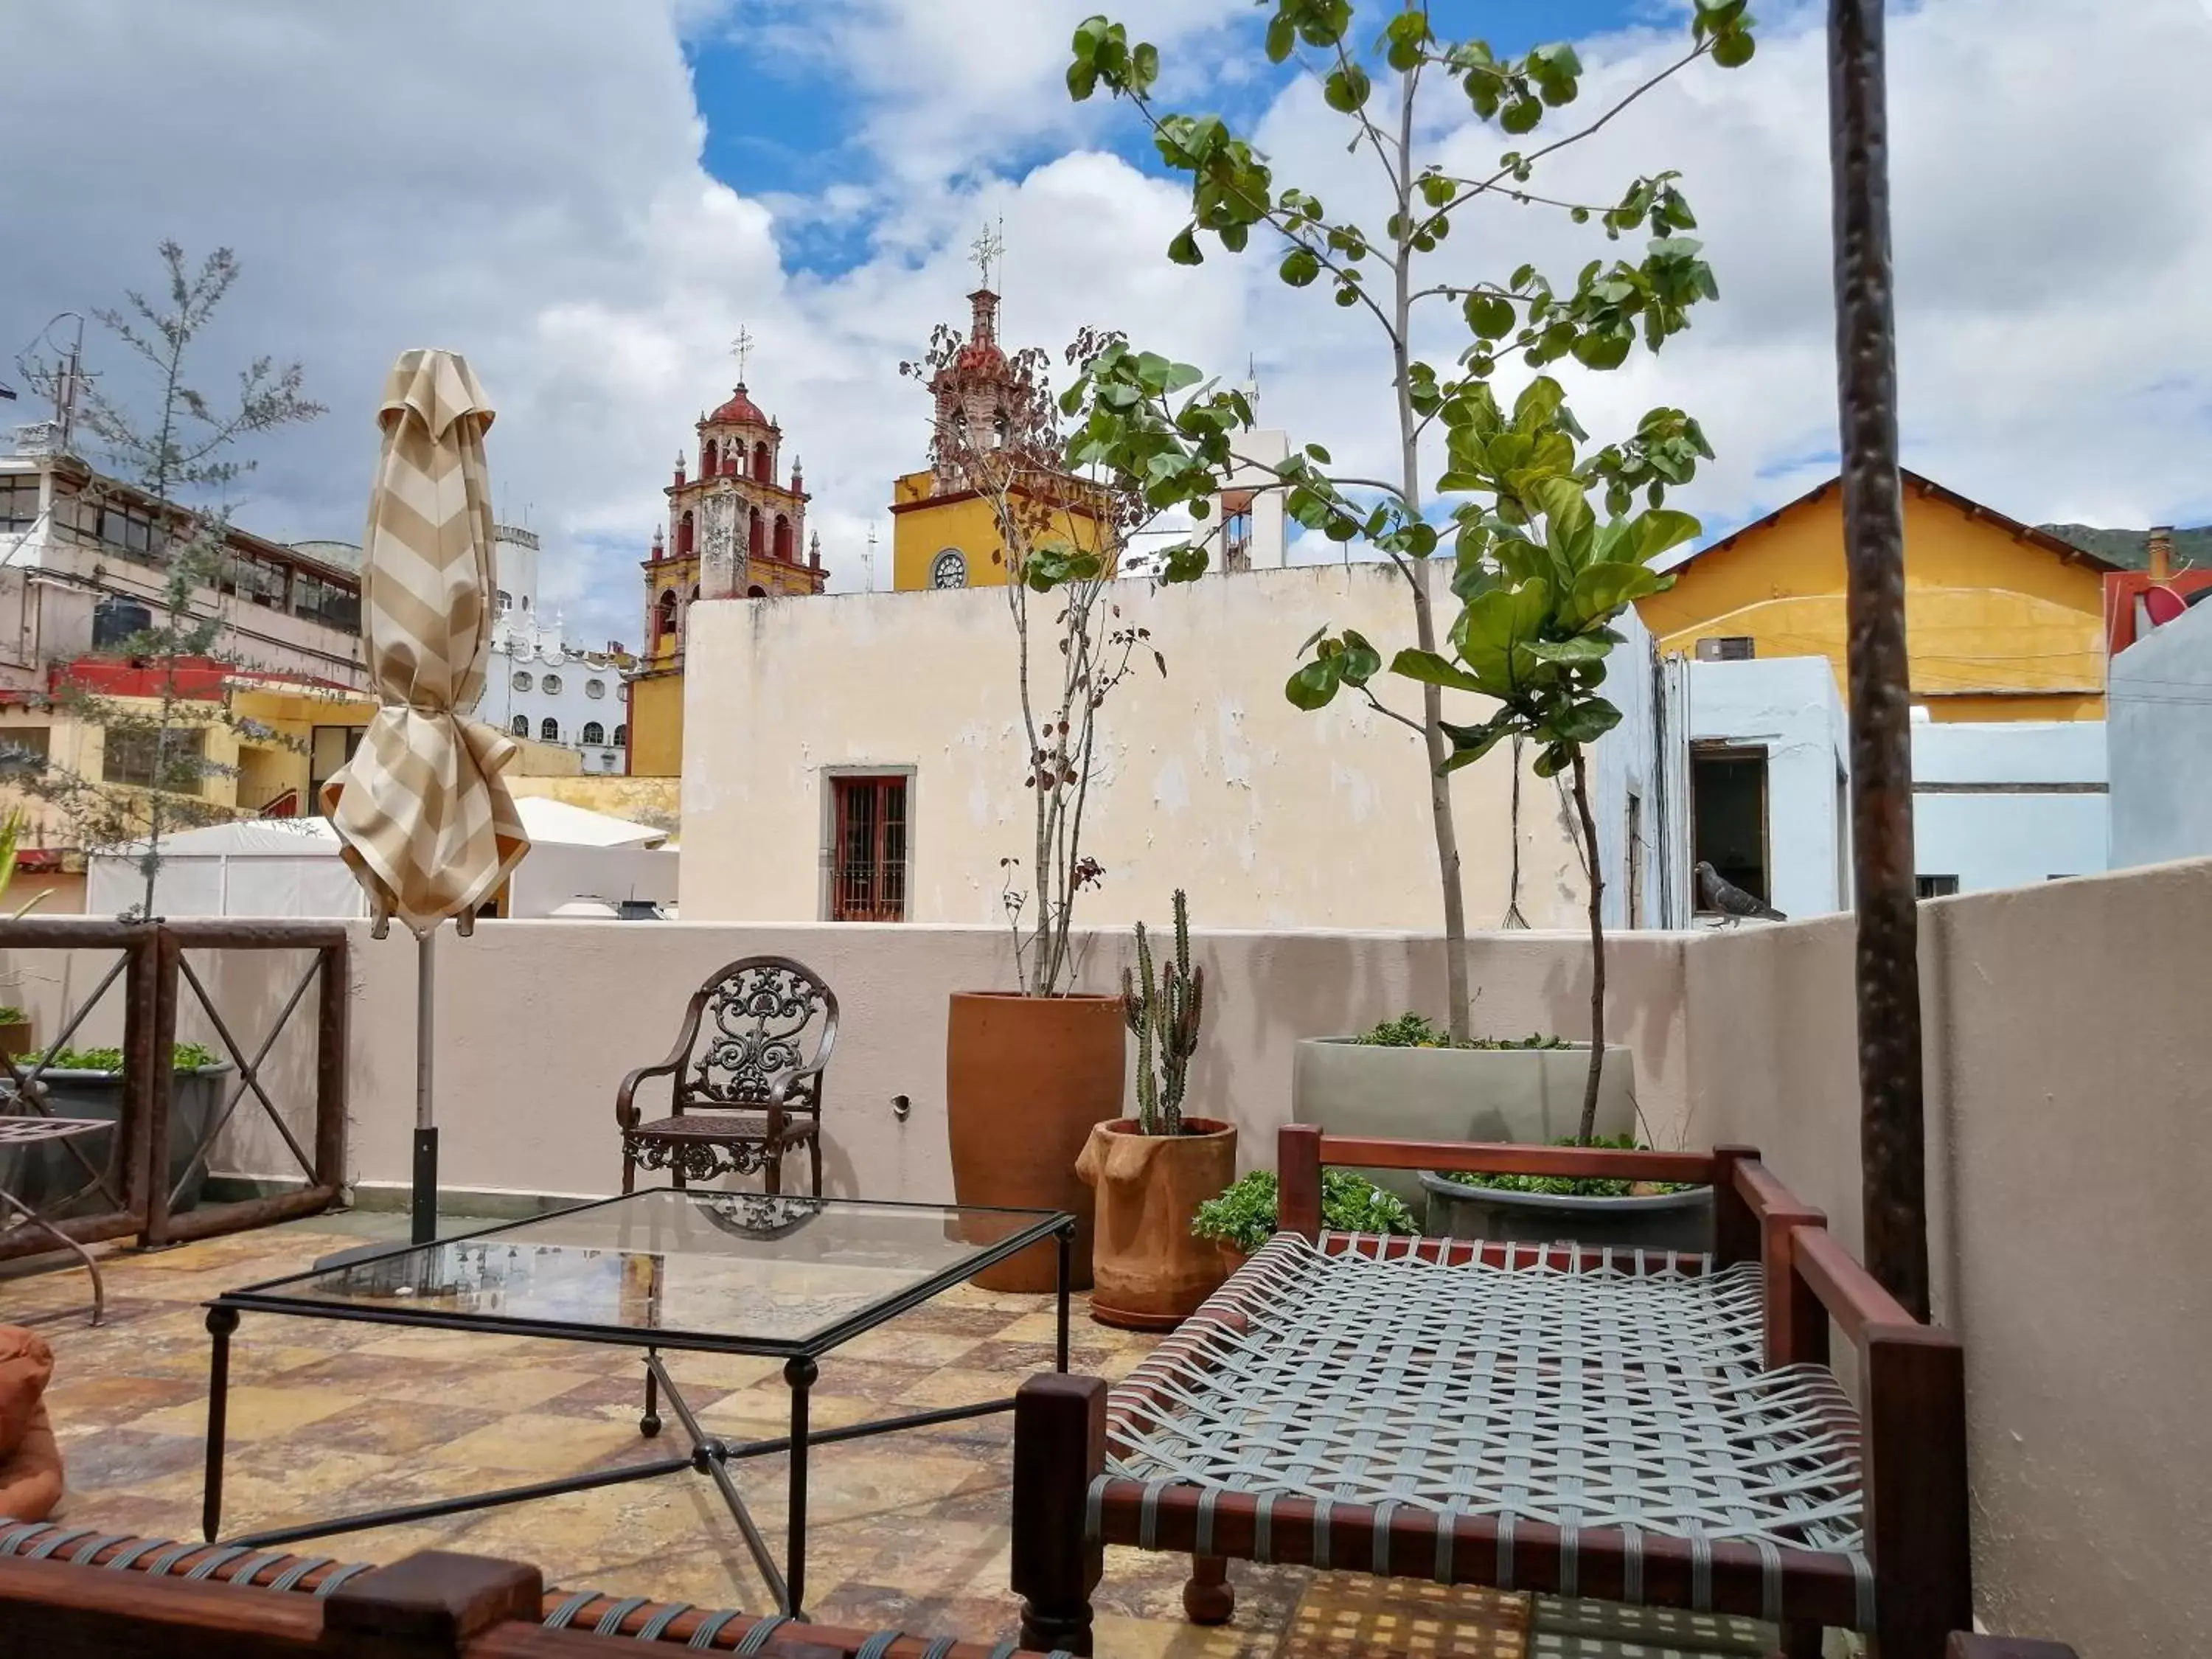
(1735,1228)
(434,1603)
(1891,1149)
(160,1080)
(332,1034)
(1060,1448)
(1298,1180)
(1915,1388)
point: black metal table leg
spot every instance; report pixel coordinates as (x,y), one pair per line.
(1067,1248)
(221,1322)
(649,1425)
(800,1373)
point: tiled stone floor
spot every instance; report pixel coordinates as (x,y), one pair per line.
(907,1530)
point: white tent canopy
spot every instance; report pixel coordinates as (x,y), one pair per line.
(291,867)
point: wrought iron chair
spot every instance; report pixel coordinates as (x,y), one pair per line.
(754,1093)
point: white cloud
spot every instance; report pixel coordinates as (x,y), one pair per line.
(524,182)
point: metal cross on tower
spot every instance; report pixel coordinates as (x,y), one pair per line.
(988,249)
(740,349)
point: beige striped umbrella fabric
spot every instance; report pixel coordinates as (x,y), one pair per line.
(425,822)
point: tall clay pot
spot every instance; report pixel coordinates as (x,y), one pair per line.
(1026,1078)
(1151,1273)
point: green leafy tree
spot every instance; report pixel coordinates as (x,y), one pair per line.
(1536,578)
(182,449)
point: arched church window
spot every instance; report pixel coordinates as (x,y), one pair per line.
(1000,428)
(684,535)
(664,615)
(710,462)
(521,726)
(548,729)
(783,539)
(506,602)
(622,736)
(756,592)
(762,472)
(594,733)
(756,537)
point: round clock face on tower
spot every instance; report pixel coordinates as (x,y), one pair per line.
(949,570)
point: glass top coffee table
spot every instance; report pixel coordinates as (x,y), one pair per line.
(786,1277)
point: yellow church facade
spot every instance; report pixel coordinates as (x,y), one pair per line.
(950,538)
(2003,622)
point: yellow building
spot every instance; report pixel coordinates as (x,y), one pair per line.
(264,745)
(733,532)
(945,535)
(2003,622)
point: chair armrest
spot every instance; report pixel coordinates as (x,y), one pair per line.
(626,1113)
(780,1092)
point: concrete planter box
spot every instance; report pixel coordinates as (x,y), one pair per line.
(1661,1221)
(1531,1095)
(47,1173)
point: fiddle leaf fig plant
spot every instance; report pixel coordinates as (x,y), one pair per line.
(1536,577)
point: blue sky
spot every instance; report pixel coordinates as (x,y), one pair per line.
(781,123)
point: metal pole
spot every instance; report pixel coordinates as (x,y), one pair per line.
(425,1203)
(1891,1134)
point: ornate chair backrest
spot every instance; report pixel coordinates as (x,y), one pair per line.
(751,1025)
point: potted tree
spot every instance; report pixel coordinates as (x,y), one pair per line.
(1183,448)
(1029,1071)
(1151,1172)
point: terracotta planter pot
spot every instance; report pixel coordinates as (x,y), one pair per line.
(15,1039)
(1026,1078)
(1150,1273)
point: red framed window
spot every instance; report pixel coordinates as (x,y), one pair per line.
(867,864)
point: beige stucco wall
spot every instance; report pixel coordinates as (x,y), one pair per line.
(2067,1060)
(1207,780)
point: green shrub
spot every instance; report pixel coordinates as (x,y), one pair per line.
(13,1016)
(1244,1217)
(1568,1186)
(183,1057)
(1414,1031)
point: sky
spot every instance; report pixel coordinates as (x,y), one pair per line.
(591,197)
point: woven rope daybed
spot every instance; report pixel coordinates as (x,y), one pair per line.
(1639,1427)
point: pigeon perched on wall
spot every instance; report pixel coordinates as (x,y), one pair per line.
(1721,894)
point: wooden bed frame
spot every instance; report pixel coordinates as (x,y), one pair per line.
(1911,1428)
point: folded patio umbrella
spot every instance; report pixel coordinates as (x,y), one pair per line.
(426,825)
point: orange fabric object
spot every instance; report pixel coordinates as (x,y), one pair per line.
(31,1477)
(25,1364)
(30,1460)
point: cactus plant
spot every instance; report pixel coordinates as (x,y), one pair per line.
(1165,1013)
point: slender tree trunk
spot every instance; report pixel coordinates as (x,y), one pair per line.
(1597,951)
(1425,618)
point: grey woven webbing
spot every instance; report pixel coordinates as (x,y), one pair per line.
(650,1631)
(571,1605)
(710,1628)
(757,1637)
(610,1621)
(1604,1398)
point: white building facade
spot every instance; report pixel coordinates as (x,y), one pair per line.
(541,685)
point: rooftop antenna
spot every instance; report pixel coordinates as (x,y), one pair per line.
(741,347)
(868,560)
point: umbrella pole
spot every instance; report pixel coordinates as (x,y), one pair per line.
(425,1207)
